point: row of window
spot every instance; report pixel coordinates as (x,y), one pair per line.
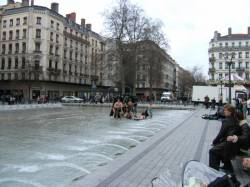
(38,49)
(18,22)
(11,34)
(24,22)
(239,55)
(38,35)
(8,77)
(226,75)
(10,47)
(17,63)
(23,76)
(70,68)
(240,65)
(232,44)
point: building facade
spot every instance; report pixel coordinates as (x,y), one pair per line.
(220,50)
(45,53)
(155,70)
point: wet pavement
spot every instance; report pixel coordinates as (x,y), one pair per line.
(53,146)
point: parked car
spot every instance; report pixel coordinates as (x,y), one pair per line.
(167,97)
(71,99)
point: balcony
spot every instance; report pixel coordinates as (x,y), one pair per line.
(94,77)
(240,69)
(36,68)
(212,60)
(211,70)
(54,71)
(37,38)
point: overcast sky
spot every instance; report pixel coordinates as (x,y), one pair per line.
(188,24)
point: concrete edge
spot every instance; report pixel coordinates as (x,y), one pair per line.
(155,106)
(106,174)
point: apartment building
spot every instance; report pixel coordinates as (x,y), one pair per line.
(45,53)
(220,49)
(155,69)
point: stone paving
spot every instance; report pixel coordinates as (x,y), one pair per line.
(168,150)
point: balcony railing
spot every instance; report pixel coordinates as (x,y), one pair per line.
(54,71)
(240,69)
(94,77)
(211,70)
(36,68)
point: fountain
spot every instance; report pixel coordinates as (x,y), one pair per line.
(51,147)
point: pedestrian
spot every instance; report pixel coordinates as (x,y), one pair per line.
(213,102)
(248,106)
(206,100)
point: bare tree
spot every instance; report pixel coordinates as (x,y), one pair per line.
(153,31)
(198,76)
(127,25)
(186,82)
(116,21)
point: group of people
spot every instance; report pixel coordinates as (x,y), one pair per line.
(128,110)
(233,137)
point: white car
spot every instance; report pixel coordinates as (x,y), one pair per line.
(71,99)
(166,97)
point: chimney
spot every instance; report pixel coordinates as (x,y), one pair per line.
(71,16)
(25,2)
(248,30)
(10,2)
(88,26)
(229,31)
(83,22)
(32,2)
(55,7)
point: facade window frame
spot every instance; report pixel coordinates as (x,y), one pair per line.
(38,33)
(24,20)
(4,23)
(38,20)
(11,23)
(3,63)
(17,21)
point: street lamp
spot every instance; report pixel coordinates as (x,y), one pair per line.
(229,60)
(221,82)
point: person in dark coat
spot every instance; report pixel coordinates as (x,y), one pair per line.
(221,150)
(242,140)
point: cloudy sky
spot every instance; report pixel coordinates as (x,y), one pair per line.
(189,24)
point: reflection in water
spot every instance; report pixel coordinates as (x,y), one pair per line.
(51,147)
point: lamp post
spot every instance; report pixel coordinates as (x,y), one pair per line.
(229,60)
(221,87)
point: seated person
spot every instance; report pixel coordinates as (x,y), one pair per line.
(218,115)
(143,115)
(224,150)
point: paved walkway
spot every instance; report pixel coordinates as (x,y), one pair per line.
(168,150)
